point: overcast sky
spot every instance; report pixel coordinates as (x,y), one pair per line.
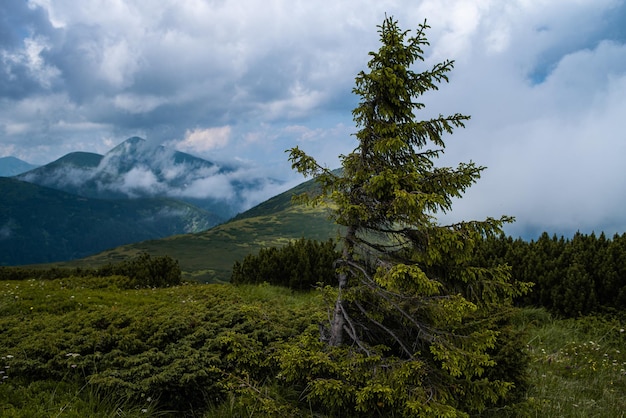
(544,82)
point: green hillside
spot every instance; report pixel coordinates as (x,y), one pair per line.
(209,256)
(42,225)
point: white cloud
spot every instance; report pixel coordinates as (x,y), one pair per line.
(217,186)
(137,104)
(542,79)
(140,181)
(118,64)
(202,140)
(30,57)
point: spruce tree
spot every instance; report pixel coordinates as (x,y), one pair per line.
(407,292)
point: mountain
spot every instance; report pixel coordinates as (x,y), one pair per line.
(11,166)
(208,256)
(40,225)
(138,169)
(66,174)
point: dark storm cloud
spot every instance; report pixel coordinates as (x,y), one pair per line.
(18,73)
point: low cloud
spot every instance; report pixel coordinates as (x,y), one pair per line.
(137,168)
(203,140)
(218,186)
(139,181)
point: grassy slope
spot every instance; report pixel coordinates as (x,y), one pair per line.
(578,366)
(209,256)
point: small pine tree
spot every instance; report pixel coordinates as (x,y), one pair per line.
(415,319)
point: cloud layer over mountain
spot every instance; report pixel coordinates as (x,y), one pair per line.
(138,169)
(544,82)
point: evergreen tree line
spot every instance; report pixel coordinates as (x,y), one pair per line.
(300,265)
(140,271)
(578,276)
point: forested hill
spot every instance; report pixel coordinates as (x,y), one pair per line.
(39,224)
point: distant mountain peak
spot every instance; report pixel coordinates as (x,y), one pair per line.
(12,166)
(80,159)
(132,145)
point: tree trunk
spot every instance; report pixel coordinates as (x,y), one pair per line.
(339,320)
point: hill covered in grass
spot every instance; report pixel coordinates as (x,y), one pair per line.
(209,256)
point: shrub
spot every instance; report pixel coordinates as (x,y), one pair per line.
(146,271)
(142,271)
(300,265)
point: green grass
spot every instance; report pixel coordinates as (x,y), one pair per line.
(208,257)
(578,366)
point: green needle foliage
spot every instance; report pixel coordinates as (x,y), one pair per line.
(415,328)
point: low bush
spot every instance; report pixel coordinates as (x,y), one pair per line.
(300,265)
(141,271)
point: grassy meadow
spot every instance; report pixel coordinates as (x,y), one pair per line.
(578,366)
(78,347)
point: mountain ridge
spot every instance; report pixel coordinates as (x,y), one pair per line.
(208,256)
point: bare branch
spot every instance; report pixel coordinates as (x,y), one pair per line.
(387,330)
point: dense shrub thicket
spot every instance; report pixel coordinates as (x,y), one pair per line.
(181,349)
(578,276)
(146,271)
(300,265)
(140,271)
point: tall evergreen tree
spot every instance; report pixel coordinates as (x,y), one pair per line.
(407,292)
